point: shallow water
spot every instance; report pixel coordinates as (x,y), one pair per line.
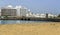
(17,21)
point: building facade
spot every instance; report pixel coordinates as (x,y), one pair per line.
(23,12)
(0,12)
(16,11)
(8,12)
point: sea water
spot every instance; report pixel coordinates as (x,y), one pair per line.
(17,21)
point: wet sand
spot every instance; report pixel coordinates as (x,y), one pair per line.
(43,28)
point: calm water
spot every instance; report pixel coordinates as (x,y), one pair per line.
(17,21)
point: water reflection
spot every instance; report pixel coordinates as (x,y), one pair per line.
(7,21)
(17,21)
(13,21)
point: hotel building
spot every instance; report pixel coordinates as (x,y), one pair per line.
(14,11)
(21,11)
(8,11)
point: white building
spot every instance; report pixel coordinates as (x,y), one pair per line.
(0,12)
(42,15)
(14,11)
(21,11)
(18,10)
(51,16)
(36,15)
(29,14)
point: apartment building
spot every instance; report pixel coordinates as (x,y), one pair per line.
(8,12)
(21,11)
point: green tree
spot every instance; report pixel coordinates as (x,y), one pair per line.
(6,16)
(0,16)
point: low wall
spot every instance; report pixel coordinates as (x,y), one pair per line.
(33,19)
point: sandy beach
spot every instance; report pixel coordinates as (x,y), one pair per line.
(44,28)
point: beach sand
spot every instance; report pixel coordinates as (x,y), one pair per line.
(43,28)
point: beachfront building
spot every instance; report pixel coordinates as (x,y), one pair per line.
(41,15)
(21,11)
(8,11)
(0,12)
(51,16)
(30,14)
(17,11)
(36,15)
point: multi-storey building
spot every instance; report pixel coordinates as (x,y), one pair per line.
(0,12)
(8,12)
(14,11)
(21,11)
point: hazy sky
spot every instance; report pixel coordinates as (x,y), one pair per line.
(36,6)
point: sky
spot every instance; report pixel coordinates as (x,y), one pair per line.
(36,6)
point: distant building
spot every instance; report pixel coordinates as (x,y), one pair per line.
(8,11)
(42,15)
(29,14)
(0,12)
(21,11)
(51,16)
(16,11)
(36,15)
